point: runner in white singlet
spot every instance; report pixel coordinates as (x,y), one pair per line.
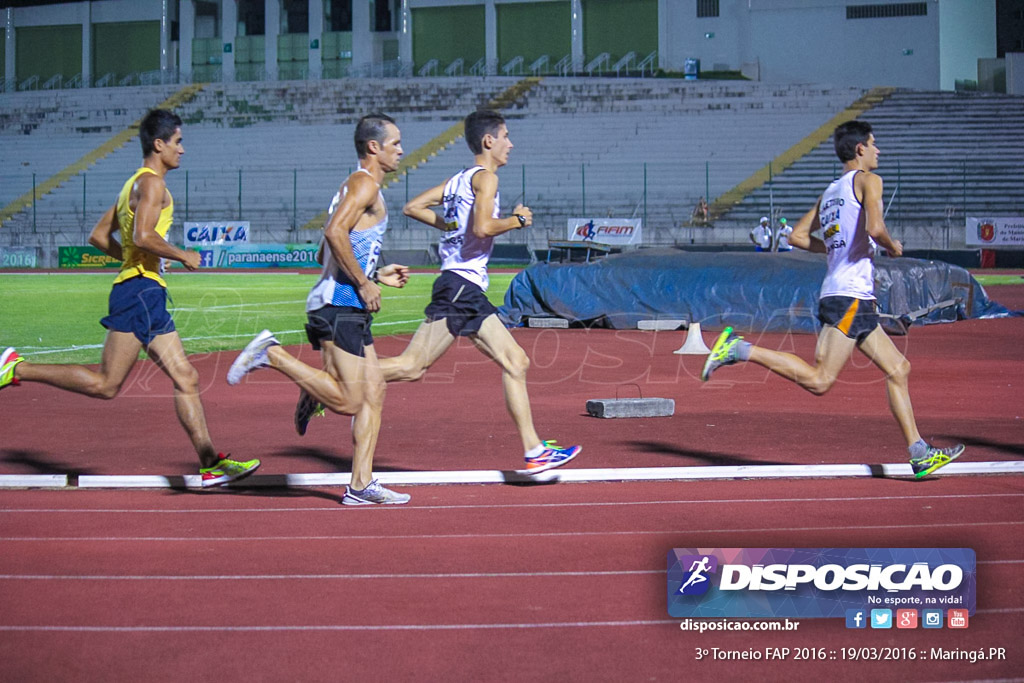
(850,216)
(470,221)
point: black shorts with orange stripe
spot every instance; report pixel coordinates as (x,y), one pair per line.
(856,318)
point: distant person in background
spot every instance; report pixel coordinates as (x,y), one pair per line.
(782,236)
(850,215)
(470,220)
(761,235)
(138,317)
(701,213)
(338,311)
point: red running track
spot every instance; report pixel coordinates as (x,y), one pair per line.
(467,583)
(495,582)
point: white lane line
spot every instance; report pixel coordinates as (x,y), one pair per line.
(562,475)
(343,627)
(41,351)
(377,627)
(502,506)
(357,577)
(289,577)
(546,534)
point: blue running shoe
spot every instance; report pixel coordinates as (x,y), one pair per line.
(306,409)
(551,457)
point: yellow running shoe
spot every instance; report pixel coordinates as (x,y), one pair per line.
(8,359)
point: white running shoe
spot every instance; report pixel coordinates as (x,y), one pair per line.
(253,357)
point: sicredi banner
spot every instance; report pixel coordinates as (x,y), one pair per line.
(85,257)
(216,232)
(616,231)
(1004,231)
(258,256)
(816,582)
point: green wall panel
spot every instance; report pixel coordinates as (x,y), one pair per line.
(447,33)
(124,48)
(534,29)
(46,51)
(618,27)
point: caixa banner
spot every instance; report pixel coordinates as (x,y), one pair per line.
(216,232)
(615,231)
(816,582)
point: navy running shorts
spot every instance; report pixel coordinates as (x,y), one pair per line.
(462,304)
(139,306)
(856,318)
(345,326)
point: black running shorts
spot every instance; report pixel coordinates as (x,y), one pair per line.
(462,304)
(347,327)
(856,318)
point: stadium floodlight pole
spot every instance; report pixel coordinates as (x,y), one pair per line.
(583,185)
(707,180)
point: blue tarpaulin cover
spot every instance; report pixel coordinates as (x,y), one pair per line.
(753,292)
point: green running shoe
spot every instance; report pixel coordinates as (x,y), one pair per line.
(227,470)
(722,353)
(934,459)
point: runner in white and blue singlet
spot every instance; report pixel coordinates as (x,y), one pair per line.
(339,308)
(849,214)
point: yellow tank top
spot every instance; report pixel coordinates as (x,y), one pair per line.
(136,261)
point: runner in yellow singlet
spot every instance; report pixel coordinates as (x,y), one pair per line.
(138,317)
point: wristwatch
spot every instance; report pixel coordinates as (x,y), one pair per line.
(521,219)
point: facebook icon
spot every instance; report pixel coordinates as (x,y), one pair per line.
(856,618)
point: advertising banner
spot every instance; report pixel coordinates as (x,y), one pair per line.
(819,582)
(85,257)
(216,232)
(997,231)
(18,257)
(614,231)
(258,256)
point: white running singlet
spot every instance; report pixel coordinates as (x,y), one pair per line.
(850,250)
(334,288)
(460,250)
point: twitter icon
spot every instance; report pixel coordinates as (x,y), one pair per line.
(881,618)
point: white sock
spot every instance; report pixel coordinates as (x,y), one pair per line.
(535,451)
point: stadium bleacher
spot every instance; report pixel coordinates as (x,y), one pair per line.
(273,153)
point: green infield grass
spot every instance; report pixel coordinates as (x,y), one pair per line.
(54,317)
(986,280)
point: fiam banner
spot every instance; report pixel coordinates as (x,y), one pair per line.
(85,257)
(1004,231)
(817,582)
(616,231)
(216,232)
(258,256)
